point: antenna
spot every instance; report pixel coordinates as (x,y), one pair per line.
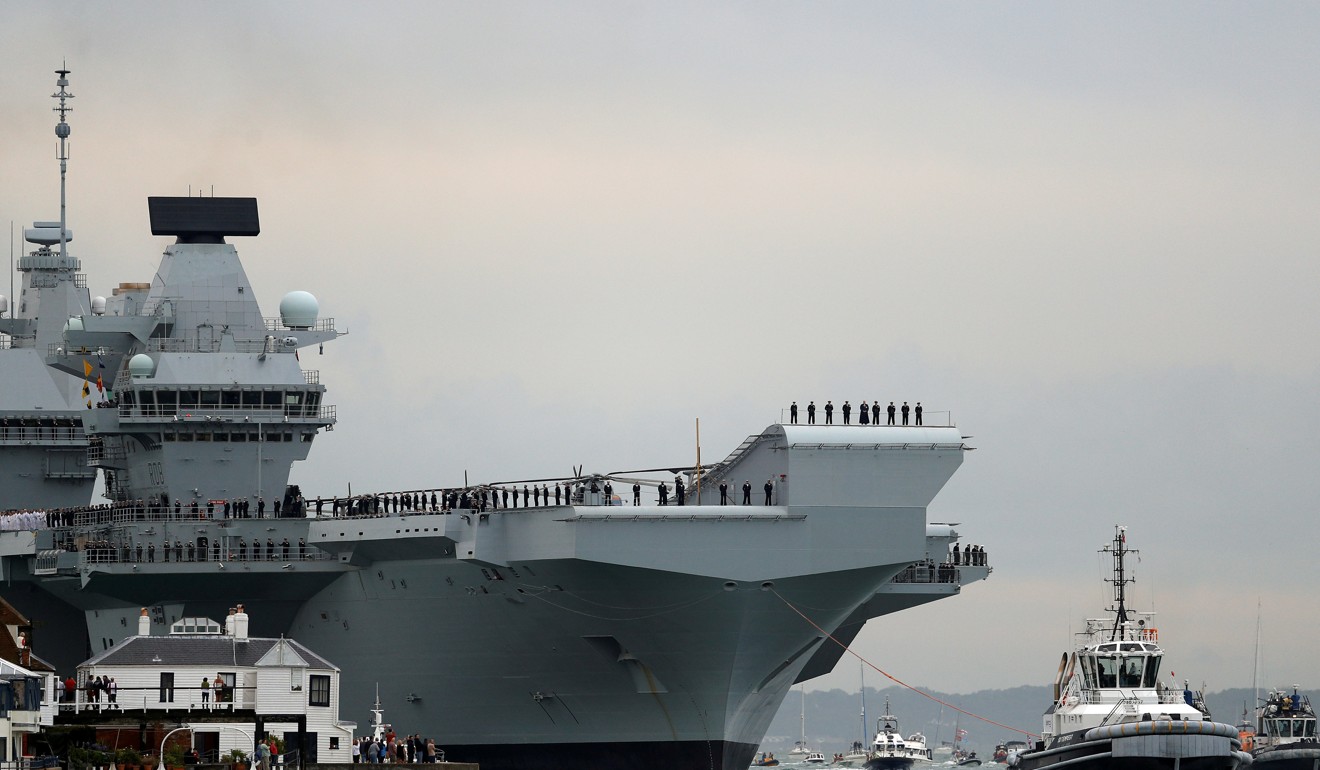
(1119,550)
(62,131)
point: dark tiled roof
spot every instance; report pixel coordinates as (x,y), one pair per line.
(10,616)
(187,650)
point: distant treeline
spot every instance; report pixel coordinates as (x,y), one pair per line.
(834,717)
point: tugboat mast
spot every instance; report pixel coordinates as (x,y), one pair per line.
(1120,579)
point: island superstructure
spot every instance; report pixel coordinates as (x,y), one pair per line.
(578,634)
(42,445)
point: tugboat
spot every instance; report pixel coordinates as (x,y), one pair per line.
(1286,732)
(891,751)
(1110,710)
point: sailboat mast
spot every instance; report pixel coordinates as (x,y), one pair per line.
(802,690)
(862,669)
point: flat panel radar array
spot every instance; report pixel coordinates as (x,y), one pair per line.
(203,220)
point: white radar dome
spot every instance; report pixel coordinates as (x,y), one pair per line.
(74,324)
(98,305)
(298,310)
(141,365)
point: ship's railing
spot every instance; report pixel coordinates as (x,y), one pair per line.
(1165,696)
(100,453)
(7,342)
(277,325)
(44,430)
(175,345)
(214,552)
(928,573)
(227,411)
(133,513)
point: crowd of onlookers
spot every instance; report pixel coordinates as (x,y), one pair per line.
(390,748)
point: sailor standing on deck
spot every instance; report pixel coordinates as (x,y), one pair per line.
(891,412)
(769,487)
(792,413)
(664,494)
(679,489)
(829,412)
(747,492)
(724,493)
(905,413)
(811,413)
(637,494)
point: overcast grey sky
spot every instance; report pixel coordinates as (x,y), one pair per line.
(558,233)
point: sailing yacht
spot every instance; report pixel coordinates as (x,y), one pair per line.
(800,748)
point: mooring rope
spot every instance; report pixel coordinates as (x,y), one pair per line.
(895,679)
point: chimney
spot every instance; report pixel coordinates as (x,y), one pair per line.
(144,623)
(229,622)
(241,624)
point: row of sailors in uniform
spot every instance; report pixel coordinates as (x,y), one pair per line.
(455,499)
(19,521)
(973,556)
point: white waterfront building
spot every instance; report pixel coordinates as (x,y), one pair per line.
(277,682)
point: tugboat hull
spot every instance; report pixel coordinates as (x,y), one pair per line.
(1302,755)
(1162,745)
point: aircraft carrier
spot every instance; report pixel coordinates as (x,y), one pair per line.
(581,634)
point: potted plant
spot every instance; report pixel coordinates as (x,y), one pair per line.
(128,758)
(173,757)
(237,758)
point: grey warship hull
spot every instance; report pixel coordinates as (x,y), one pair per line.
(538,637)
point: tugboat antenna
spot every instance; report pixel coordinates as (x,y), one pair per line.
(1120,579)
(62,131)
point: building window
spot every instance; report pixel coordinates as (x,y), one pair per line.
(166,687)
(319,690)
(334,743)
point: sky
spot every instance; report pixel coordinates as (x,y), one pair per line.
(561,233)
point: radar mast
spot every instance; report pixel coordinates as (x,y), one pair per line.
(62,131)
(1120,579)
